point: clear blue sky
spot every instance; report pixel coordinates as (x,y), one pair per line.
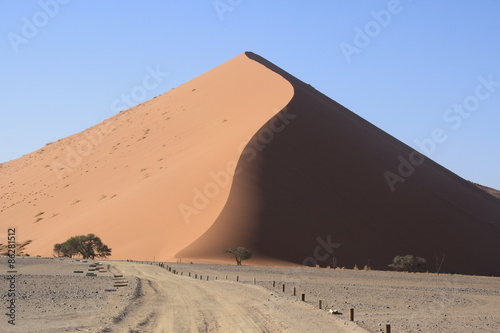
(64,67)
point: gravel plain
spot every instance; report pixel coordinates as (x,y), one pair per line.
(51,297)
(409,302)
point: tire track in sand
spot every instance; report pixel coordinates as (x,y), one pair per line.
(173,303)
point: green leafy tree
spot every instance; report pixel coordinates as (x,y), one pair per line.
(57,249)
(89,247)
(409,263)
(239,254)
(65,249)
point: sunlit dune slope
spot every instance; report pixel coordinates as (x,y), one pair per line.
(315,192)
(151,179)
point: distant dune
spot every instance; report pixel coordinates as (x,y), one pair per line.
(492,191)
(247,155)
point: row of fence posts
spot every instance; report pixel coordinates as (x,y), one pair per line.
(283,288)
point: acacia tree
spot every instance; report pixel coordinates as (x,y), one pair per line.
(89,247)
(239,254)
(65,249)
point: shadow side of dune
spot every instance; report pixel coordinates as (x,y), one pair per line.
(315,192)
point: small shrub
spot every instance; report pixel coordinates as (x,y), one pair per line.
(409,263)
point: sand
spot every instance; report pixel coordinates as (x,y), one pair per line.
(248,155)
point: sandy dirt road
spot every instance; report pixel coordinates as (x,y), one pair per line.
(173,303)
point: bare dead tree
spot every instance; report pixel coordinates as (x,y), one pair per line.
(439,261)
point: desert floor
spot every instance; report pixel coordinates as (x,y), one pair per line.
(50,297)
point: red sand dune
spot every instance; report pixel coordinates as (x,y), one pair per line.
(323,177)
(157,181)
